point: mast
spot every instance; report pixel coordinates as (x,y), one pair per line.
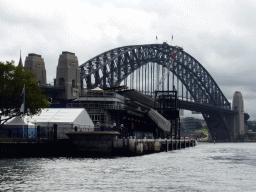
(20,62)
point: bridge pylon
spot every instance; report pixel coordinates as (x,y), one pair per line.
(68,76)
(238,106)
(35,64)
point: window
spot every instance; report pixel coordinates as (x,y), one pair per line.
(73,83)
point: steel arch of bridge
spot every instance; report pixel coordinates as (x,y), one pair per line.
(110,68)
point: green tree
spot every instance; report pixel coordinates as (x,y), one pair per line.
(12,81)
(251,136)
(246,117)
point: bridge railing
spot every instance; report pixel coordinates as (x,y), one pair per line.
(95,106)
(97,94)
(204,103)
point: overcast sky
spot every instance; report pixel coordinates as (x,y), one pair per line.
(221,35)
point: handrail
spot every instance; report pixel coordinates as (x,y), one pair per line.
(95,105)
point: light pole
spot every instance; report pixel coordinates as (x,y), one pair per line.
(27,126)
(98,125)
(36,128)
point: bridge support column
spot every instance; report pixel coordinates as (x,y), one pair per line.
(238,106)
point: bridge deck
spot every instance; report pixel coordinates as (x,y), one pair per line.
(187,105)
(199,107)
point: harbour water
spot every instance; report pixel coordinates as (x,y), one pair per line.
(206,167)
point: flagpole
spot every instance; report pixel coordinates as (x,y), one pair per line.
(23,110)
(23,125)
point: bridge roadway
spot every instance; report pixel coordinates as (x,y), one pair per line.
(203,108)
(187,105)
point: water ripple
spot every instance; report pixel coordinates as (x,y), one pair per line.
(206,167)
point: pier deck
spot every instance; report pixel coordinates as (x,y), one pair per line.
(65,147)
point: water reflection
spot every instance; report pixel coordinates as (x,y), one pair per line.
(206,167)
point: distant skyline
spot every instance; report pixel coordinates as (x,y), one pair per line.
(219,34)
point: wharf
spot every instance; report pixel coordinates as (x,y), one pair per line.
(144,146)
(67,148)
(106,142)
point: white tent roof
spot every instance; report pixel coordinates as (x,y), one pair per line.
(18,121)
(63,116)
(74,116)
(97,89)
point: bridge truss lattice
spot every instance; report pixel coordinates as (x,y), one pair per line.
(141,66)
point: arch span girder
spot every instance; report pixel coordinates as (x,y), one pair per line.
(112,67)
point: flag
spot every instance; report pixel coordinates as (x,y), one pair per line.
(22,108)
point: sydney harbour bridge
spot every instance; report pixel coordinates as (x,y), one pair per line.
(149,69)
(142,67)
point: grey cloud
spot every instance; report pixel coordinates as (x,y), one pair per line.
(224,45)
(163,9)
(242,14)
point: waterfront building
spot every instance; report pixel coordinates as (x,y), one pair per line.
(65,119)
(102,106)
(42,125)
(188,125)
(113,111)
(182,115)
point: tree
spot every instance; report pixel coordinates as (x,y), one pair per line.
(246,117)
(250,136)
(12,81)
